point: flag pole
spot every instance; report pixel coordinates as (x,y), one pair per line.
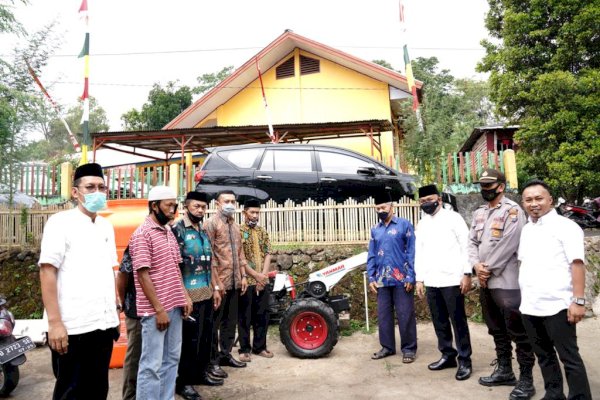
(85,53)
(264,96)
(72,137)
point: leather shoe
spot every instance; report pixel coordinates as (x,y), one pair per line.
(216,371)
(232,362)
(188,393)
(464,372)
(442,363)
(209,380)
(384,352)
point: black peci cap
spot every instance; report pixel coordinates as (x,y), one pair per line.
(91,169)
(199,196)
(383,197)
(428,190)
(250,203)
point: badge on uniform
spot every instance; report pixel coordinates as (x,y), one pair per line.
(496,233)
(514,214)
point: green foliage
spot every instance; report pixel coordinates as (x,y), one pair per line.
(208,81)
(544,74)
(451,108)
(56,145)
(164,104)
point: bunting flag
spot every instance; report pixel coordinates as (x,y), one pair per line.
(56,108)
(264,96)
(410,79)
(85,53)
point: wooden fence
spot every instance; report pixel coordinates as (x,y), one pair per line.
(307,223)
(467,167)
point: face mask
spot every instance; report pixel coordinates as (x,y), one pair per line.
(228,210)
(383,215)
(430,207)
(160,215)
(193,218)
(94,202)
(252,223)
(489,194)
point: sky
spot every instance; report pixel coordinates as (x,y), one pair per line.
(136,43)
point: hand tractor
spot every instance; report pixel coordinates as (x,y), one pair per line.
(309,326)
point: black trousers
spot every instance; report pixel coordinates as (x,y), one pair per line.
(82,373)
(225,322)
(501,313)
(551,335)
(196,344)
(253,314)
(447,306)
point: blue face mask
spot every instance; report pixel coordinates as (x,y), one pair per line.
(94,202)
(228,209)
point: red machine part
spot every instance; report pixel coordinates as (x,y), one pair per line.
(309,330)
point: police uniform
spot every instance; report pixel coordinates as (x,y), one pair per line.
(494,241)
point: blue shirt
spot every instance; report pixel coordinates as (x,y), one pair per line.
(391,260)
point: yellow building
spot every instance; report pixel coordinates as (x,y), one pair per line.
(309,87)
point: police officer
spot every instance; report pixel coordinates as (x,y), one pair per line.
(493,246)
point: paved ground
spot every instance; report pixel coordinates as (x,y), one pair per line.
(347,373)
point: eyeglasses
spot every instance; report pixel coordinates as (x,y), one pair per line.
(93,188)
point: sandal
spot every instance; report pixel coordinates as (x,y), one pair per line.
(245,357)
(408,358)
(265,353)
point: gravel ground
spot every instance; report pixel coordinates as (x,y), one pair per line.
(347,373)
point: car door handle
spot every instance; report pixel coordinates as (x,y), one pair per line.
(264,177)
(328,179)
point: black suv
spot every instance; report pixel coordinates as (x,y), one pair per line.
(298,172)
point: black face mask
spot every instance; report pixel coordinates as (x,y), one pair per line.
(193,218)
(161,217)
(430,207)
(489,194)
(383,215)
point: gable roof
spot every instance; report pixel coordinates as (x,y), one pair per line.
(267,58)
(480,130)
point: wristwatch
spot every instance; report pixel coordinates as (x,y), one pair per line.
(217,287)
(580,301)
(468,274)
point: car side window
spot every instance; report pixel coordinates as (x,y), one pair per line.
(243,158)
(336,163)
(287,160)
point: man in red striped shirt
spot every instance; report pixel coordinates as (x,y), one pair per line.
(160,296)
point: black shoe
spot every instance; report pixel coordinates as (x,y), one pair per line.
(442,363)
(216,371)
(384,352)
(501,376)
(188,393)
(464,372)
(209,380)
(524,389)
(231,362)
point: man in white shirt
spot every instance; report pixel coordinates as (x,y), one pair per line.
(78,289)
(443,271)
(552,281)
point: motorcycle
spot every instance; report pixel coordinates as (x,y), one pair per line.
(12,351)
(583,216)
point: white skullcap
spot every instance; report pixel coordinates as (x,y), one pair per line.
(161,193)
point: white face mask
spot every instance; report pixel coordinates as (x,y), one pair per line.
(228,209)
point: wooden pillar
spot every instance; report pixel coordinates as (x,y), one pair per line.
(174,177)
(66,180)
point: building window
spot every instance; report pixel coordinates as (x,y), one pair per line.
(309,65)
(286,69)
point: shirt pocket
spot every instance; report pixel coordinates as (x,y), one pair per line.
(479,231)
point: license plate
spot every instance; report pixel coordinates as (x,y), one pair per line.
(15,349)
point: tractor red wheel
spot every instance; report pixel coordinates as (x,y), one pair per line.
(309,328)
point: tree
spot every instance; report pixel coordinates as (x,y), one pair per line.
(56,144)
(544,68)
(208,81)
(451,108)
(163,105)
